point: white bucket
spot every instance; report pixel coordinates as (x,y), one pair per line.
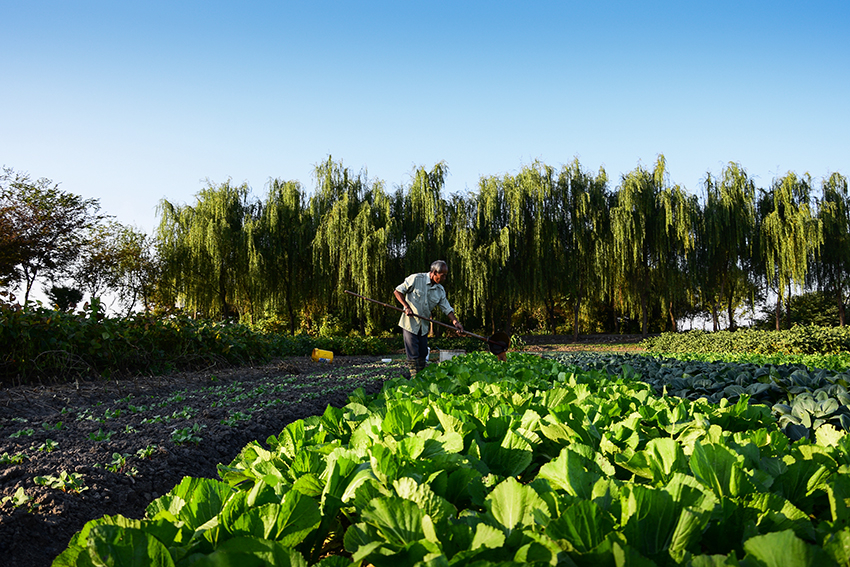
(449,354)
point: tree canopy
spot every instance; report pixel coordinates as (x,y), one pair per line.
(556,247)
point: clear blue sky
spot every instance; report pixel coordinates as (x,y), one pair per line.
(132,102)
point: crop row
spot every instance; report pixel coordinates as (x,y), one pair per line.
(43,343)
(801,399)
(799,340)
(529,462)
(47,344)
(23,440)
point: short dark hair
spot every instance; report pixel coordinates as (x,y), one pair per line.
(439,266)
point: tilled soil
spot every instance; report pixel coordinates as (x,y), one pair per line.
(133,440)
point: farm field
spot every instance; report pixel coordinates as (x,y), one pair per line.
(546,459)
(163,428)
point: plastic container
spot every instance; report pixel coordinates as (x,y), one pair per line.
(386,360)
(449,354)
(320,355)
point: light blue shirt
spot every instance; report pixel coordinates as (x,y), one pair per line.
(423,296)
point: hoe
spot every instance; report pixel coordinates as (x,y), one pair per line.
(498,342)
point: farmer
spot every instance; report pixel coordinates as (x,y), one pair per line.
(419,294)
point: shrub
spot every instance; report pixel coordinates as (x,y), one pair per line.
(808,339)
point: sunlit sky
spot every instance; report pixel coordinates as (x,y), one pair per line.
(133,102)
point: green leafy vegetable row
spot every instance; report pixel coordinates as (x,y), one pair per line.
(481,463)
(802,399)
(806,339)
(45,343)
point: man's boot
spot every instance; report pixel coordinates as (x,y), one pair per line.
(420,364)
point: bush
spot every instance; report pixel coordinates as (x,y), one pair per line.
(40,343)
(808,339)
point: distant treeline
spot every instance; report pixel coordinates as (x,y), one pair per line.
(551,248)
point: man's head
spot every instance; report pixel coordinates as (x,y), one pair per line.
(439,271)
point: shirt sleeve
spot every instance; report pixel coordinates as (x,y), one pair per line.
(405,286)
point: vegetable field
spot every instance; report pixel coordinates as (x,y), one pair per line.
(111,447)
(533,462)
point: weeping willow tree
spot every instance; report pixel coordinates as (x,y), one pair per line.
(280,251)
(834,259)
(584,233)
(463,263)
(789,233)
(533,253)
(677,243)
(536,255)
(481,245)
(422,224)
(351,243)
(727,241)
(649,224)
(205,252)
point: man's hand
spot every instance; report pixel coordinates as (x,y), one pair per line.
(458,325)
(404,304)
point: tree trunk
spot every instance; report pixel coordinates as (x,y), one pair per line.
(576,310)
(788,312)
(291,313)
(222,294)
(673,324)
(715,319)
(730,312)
(550,312)
(778,311)
(840,306)
(616,319)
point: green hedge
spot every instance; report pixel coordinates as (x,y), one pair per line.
(809,339)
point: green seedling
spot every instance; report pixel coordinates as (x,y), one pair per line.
(101,435)
(187,435)
(20,499)
(235,418)
(147,452)
(22,433)
(86,414)
(48,427)
(16,459)
(49,446)
(178,397)
(109,414)
(19,420)
(118,463)
(185,413)
(130,429)
(65,482)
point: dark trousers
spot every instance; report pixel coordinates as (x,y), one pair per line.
(415,346)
